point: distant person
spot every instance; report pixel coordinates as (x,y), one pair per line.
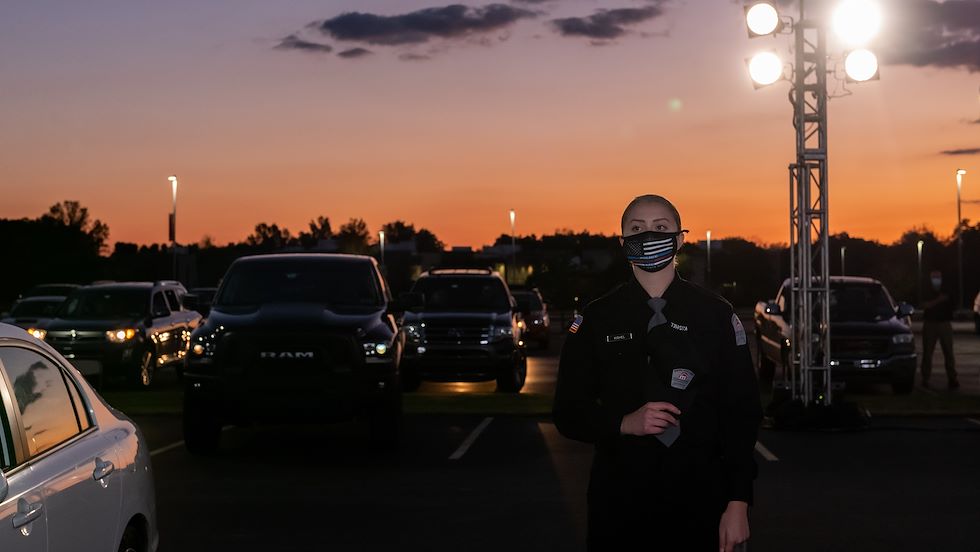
(937,318)
(658,375)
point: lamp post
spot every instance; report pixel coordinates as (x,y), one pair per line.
(513,246)
(173,224)
(381,241)
(709,258)
(959,232)
(843,252)
(918,272)
(856,22)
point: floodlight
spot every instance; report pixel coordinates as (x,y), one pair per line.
(765,68)
(762,19)
(857,21)
(861,65)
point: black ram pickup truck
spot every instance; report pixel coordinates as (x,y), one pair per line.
(294,339)
(870,336)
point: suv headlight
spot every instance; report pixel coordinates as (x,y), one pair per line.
(415,332)
(377,351)
(37,333)
(120,336)
(904,338)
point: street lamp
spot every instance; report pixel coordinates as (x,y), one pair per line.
(843,252)
(959,231)
(856,23)
(709,258)
(513,245)
(381,241)
(173,224)
(918,246)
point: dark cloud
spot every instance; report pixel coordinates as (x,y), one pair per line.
(354,53)
(965,151)
(931,33)
(605,24)
(420,26)
(408,56)
(293,42)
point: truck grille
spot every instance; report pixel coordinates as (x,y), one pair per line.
(456,334)
(263,356)
(863,347)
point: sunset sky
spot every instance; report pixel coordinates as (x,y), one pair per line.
(447,118)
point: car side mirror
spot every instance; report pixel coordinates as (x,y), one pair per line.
(191,302)
(904,309)
(4,487)
(772,307)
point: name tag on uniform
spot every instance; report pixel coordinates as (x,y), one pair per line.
(615,338)
(680,378)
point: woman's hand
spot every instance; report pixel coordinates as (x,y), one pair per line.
(650,419)
(734,527)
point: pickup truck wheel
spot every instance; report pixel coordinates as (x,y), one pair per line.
(511,379)
(766,368)
(202,424)
(385,421)
(147,367)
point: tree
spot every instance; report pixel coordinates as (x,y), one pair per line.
(353,237)
(427,242)
(319,230)
(72,215)
(398,231)
(269,237)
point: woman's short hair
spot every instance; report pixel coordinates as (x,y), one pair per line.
(651,198)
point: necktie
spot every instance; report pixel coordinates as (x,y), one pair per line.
(657,304)
(658,318)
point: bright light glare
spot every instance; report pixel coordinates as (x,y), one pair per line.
(857,21)
(861,65)
(960,171)
(762,19)
(765,68)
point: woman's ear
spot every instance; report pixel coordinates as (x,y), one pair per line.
(680,240)
(621,241)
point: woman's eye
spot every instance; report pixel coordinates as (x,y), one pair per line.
(635,228)
(661,227)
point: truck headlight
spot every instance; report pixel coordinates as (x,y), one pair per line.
(497,332)
(120,336)
(37,333)
(904,338)
(375,349)
(415,332)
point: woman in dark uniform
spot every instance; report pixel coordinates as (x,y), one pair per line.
(657,374)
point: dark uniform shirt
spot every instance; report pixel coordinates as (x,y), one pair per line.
(941,311)
(611,365)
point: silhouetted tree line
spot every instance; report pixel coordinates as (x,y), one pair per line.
(570,268)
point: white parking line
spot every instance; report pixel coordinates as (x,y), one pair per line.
(973,421)
(470,439)
(178,444)
(766,453)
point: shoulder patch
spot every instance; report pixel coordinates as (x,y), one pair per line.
(575,324)
(739,330)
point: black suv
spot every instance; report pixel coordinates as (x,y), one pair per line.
(462,324)
(295,338)
(124,330)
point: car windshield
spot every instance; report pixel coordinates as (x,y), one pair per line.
(105,304)
(528,302)
(50,289)
(335,284)
(446,293)
(36,309)
(859,302)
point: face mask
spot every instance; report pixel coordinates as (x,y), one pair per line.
(651,251)
(937,283)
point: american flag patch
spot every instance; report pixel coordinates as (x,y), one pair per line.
(575,324)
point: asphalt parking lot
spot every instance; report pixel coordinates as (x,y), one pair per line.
(493,482)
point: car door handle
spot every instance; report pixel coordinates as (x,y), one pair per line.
(102,469)
(26,513)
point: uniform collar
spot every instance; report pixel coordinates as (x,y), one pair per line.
(674,295)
